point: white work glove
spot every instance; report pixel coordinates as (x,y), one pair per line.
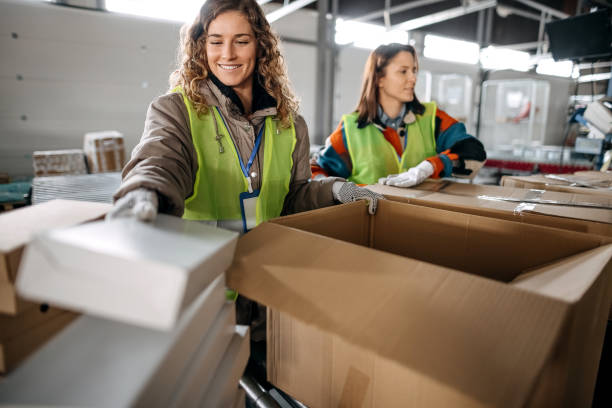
(140,204)
(347,192)
(412,177)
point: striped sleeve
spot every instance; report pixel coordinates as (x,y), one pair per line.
(453,145)
(334,159)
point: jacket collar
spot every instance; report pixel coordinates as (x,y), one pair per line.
(261,99)
(382,120)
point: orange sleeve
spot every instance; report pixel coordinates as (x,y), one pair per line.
(335,139)
(446,120)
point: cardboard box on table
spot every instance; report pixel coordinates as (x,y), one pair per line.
(58,162)
(576,212)
(589,183)
(419,306)
(105,151)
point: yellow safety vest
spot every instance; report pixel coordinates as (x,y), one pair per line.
(220,179)
(374,157)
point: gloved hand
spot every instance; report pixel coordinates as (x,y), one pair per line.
(347,192)
(412,177)
(140,204)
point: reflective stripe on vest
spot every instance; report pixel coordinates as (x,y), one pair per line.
(374,157)
(220,180)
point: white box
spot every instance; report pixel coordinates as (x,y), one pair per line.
(96,362)
(206,361)
(222,391)
(127,270)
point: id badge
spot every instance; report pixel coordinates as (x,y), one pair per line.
(248,209)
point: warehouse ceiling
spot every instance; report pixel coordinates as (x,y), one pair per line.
(510,21)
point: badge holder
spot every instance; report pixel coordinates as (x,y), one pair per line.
(248,210)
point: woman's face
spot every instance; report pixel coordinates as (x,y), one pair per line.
(231,49)
(399,78)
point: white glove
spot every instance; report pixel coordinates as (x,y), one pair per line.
(412,177)
(347,192)
(140,204)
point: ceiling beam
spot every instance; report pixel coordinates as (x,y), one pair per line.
(288,9)
(444,15)
(543,8)
(395,9)
(504,11)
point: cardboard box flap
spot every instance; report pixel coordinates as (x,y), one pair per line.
(428,318)
(24,222)
(494,248)
(568,279)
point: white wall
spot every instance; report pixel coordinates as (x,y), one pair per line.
(82,71)
(87,71)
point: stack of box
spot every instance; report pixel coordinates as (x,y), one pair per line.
(418,306)
(157,329)
(58,162)
(105,151)
(24,326)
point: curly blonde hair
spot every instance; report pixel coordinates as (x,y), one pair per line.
(270,65)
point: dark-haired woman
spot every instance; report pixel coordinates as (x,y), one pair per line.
(392,138)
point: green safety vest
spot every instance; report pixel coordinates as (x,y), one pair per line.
(374,157)
(220,180)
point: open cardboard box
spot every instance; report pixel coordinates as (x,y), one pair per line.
(576,212)
(418,306)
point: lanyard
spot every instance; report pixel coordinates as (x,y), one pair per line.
(245,170)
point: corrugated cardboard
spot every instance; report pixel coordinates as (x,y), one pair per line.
(582,213)
(240,399)
(21,335)
(58,162)
(103,363)
(18,228)
(32,316)
(423,312)
(539,181)
(128,270)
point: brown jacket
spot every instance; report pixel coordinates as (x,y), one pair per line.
(165,159)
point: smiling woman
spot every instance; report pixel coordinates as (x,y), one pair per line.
(226,144)
(231,50)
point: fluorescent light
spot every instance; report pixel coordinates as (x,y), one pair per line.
(595,77)
(448,49)
(365,35)
(549,66)
(504,58)
(183,11)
